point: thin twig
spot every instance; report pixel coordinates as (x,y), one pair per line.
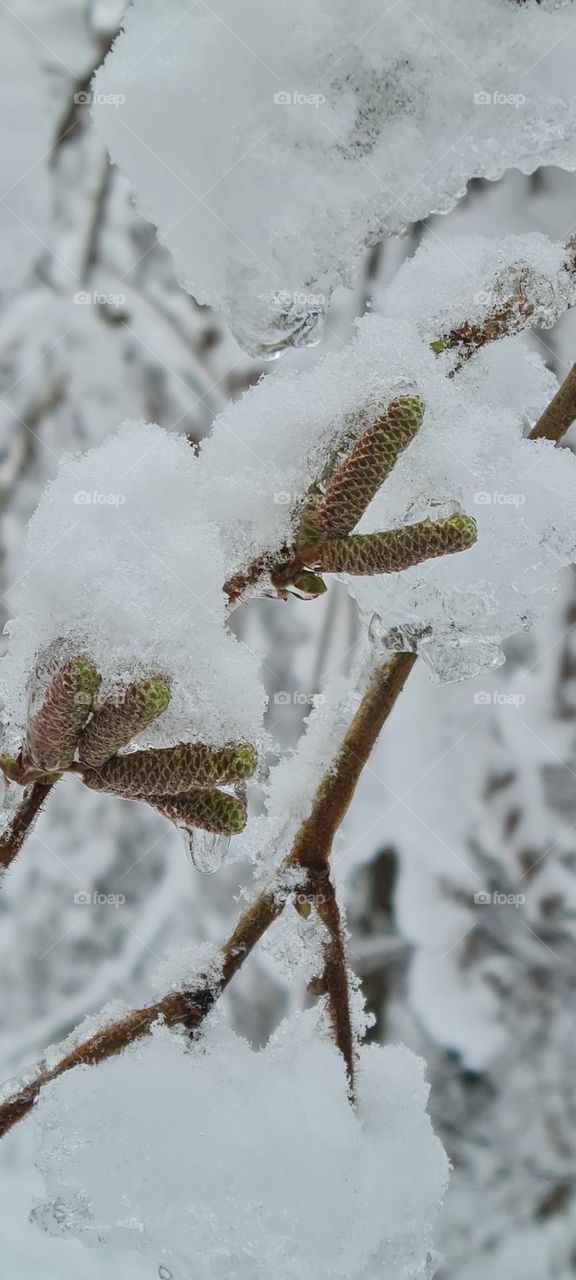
(560,414)
(336,979)
(311,851)
(22,822)
(512,315)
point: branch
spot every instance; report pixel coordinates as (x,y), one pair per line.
(22,822)
(560,414)
(516,312)
(311,851)
(336,982)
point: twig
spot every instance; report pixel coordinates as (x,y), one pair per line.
(311,851)
(514,314)
(336,981)
(560,414)
(22,822)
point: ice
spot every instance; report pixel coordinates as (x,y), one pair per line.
(270,144)
(248,1163)
(207,852)
(470,455)
(123,562)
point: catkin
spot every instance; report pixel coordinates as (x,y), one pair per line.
(52,732)
(115,723)
(173,770)
(357,480)
(398,549)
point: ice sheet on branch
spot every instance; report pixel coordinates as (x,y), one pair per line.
(123,563)
(220,1160)
(470,454)
(270,144)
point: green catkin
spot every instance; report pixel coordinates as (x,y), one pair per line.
(357,480)
(173,770)
(209,809)
(52,732)
(116,722)
(398,549)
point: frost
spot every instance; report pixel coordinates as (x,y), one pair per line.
(269,146)
(220,1160)
(122,562)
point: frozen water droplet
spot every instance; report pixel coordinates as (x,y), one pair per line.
(280,322)
(207,851)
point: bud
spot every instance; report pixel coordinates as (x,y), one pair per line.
(398,549)
(114,724)
(173,770)
(359,477)
(52,733)
(212,810)
(308,585)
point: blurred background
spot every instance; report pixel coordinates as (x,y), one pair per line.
(458,859)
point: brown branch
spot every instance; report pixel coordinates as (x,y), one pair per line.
(515,313)
(311,851)
(336,982)
(22,822)
(237,588)
(560,414)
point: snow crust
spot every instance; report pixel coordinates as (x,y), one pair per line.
(212,1159)
(270,144)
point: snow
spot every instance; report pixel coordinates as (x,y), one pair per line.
(123,563)
(292,136)
(221,1160)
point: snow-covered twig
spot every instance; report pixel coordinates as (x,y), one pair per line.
(310,852)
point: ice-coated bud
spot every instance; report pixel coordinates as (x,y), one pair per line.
(207,808)
(173,770)
(357,480)
(398,548)
(117,721)
(52,732)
